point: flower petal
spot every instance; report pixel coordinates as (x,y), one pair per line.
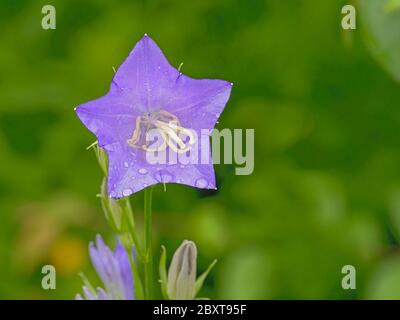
(146,75)
(111,118)
(125,270)
(128,174)
(102,295)
(89,295)
(198,103)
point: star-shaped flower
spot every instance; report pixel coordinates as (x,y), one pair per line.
(147,94)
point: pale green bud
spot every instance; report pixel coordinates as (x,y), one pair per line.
(101,156)
(112,209)
(182,272)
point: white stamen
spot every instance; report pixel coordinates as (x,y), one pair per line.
(168,126)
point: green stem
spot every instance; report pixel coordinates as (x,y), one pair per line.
(131,228)
(136,277)
(128,214)
(148,263)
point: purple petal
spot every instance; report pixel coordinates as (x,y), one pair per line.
(88,294)
(125,269)
(128,173)
(123,181)
(102,295)
(198,103)
(147,75)
(97,261)
(110,118)
(102,257)
(114,270)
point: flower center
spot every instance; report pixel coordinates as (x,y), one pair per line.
(169,128)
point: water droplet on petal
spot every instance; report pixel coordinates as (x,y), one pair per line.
(178,181)
(201,183)
(127,192)
(164,176)
(142,171)
(126,164)
(113,194)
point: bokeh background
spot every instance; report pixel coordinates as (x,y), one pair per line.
(324,104)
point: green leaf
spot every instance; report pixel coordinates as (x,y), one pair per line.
(200,280)
(163,273)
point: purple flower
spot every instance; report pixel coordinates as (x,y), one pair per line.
(147,94)
(114,269)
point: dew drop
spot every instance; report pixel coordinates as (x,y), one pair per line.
(201,183)
(142,171)
(113,194)
(126,164)
(126,192)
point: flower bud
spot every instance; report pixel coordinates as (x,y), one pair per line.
(102,158)
(182,272)
(111,208)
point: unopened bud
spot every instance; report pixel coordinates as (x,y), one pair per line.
(111,208)
(182,272)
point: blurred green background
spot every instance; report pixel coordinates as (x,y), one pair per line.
(324,104)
